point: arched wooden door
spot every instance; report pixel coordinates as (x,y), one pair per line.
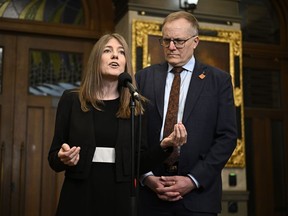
(28,107)
(44,46)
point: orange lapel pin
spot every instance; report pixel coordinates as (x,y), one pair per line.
(202,76)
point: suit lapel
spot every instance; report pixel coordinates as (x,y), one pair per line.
(197,82)
(196,85)
(160,75)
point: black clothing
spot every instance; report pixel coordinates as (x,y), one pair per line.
(100,189)
(89,187)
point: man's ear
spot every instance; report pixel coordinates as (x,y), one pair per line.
(196,41)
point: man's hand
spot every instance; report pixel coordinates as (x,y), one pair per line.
(170,188)
(173,188)
(177,138)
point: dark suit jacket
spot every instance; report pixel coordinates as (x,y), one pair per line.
(210,121)
(76,128)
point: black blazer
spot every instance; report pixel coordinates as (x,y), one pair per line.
(210,120)
(76,128)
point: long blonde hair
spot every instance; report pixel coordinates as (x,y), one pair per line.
(92,82)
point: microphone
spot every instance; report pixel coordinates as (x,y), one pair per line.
(125,80)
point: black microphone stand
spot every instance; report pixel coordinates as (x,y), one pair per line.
(133,183)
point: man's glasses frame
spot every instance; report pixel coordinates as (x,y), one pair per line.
(178,43)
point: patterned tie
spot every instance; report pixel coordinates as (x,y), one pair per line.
(172,112)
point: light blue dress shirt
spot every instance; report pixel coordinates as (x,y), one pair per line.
(186,76)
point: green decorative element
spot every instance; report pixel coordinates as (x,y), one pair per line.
(36,57)
(54,11)
(79,18)
(52,72)
(30,10)
(57,16)
(3,7)
(40,12)
(55,58)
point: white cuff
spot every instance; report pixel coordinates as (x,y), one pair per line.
(194,180)
(142,177)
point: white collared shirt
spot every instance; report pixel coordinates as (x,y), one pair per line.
(186,75)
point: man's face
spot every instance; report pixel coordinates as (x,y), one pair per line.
(179,31)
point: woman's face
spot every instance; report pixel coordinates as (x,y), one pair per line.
(113,60)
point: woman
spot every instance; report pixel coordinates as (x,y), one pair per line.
(92,139)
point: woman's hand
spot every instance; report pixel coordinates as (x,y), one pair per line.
(69,156)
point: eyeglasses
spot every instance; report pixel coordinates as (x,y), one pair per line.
(178,43)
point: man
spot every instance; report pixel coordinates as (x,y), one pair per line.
(192,185)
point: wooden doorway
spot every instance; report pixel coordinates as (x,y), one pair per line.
(28,185)
(266,138)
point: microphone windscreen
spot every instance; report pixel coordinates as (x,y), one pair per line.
(123,79)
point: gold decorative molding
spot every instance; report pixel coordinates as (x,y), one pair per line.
(143,29)
(234,37)
(238,96)
(140,32)
(238,157)
(146,50)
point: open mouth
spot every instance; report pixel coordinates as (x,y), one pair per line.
(114,64)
